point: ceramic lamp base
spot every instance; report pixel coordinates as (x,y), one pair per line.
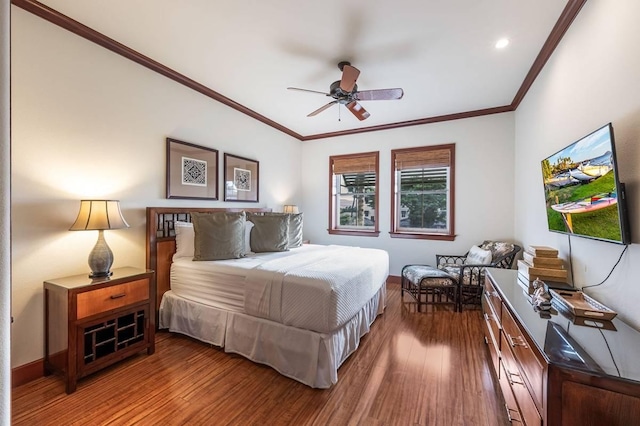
(100,258)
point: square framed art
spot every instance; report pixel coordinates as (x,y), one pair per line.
(192,171)
(241,179)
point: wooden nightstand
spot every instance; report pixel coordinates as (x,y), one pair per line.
(90,324)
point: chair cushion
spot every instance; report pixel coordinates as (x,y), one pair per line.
(424,275)
(472,275)
(478,256)
(497,248)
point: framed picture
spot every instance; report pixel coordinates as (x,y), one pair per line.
(241,179)
(192,171)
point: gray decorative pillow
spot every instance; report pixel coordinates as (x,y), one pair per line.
(219,235)
(295,226)
(269,233)
(295,230)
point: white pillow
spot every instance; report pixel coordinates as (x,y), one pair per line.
(478,256)
(185,239)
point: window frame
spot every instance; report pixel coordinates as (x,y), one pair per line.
(396,209)
(334,228)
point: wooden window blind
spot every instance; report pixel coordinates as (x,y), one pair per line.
(422,158)
(355,163)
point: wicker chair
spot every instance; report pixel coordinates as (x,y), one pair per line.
(470,273)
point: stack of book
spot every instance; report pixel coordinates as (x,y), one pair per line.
(543,263)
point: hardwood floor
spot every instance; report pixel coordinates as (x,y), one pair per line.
(413,368)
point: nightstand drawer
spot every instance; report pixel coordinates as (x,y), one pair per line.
(107,298)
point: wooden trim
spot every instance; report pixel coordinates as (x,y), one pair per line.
(330,204)
(428,120)
(92,35)
(569,13)
(452,186)
(439,237)
(562,25)
(354,233)
(27,372)
(332,226)
(394,279)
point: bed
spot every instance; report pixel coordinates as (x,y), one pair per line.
(301,311)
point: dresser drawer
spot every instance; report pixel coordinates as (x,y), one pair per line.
(513,375)
(493,298)
(524,356)
(107,298)
(492,320)
(513,412)
(492,337)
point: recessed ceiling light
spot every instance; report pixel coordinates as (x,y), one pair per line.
(502,43)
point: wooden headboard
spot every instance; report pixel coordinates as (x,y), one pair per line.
(161,239)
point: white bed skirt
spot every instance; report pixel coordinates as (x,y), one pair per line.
(306,356)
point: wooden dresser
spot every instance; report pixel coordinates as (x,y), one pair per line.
(555,369)
(90,324)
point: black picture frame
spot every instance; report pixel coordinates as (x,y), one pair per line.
(241,179)
(192,171)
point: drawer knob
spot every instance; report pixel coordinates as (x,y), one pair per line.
(118,296)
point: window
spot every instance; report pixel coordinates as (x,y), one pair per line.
(353,200)
(423,192)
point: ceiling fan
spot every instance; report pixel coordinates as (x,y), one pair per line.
(345,92)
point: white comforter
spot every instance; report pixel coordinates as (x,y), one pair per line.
(320,290)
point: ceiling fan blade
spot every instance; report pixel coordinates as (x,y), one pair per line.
(357,110)
(379,95)
(307,90)
(322,108)
(349,76)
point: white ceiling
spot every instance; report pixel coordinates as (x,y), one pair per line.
(441,52)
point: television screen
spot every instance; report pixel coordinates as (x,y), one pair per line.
(583,194)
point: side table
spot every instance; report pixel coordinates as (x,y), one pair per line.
(93,323)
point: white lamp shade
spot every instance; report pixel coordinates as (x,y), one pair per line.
(99,215)
(290,208)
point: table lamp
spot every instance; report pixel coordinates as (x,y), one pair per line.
(290,208)
(98,215)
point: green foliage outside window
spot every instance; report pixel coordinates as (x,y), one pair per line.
(423,193)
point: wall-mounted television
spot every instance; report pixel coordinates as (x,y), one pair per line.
(583,194)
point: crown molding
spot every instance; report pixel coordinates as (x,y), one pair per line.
(420,121)
(94,36)
(568,15)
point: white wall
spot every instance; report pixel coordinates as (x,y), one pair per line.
(591,79)
(484,185)
(87,123)
(5,237)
